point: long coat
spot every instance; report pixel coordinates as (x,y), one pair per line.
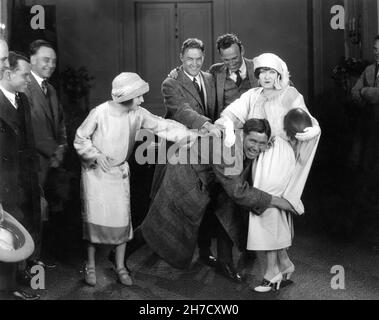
(19,190)
(171,225)
(219,73)
(48,123)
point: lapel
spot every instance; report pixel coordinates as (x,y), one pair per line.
(8,113)
(221,78)
(36,92)
(209,108)
(250,73)
(188,85)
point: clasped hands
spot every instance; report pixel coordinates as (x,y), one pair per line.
(211,129)
(308,133)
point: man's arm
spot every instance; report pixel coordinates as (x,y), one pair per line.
(245,195)
(241,192)
(178,106)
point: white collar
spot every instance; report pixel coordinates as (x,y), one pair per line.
(38,78)
(11,96)
(198,77)
(242,68)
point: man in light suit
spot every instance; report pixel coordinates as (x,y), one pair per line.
(48,123)
(235,75)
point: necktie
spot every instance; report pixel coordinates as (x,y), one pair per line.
(44,87)
(239,79)
(200,92)
(17,101)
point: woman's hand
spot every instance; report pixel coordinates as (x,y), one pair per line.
(308,134)
(104,162)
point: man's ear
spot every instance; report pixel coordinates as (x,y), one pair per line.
(7,74)
(181,57)
(242,50)
(33,60)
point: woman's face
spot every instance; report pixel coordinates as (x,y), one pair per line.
(267,78)
(136,102)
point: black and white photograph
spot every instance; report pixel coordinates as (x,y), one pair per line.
(189,155)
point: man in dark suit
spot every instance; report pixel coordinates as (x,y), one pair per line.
(235,75)
(171,226)
(49,129)
(19,190)
(191,99)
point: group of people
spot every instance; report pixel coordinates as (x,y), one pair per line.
(32,146)
(192,201)
(243,105)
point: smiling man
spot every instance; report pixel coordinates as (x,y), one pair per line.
(172,224)
(50,137)
(235,75)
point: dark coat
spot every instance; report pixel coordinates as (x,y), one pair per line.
(183,102)
(19,190)
(171,225)
(219,73)
(48,123)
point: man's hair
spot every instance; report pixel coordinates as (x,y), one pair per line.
(257,125)
(376,38)
(192,43)
(35,45)
(226,40)
(13,59)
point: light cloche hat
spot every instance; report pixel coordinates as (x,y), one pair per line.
(127,86)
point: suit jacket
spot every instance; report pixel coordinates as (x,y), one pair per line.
(171,225)
(183,102)
(366,80)
(219,73)
(19,190)
(48,123)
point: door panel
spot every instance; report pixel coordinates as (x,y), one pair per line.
(161,29)
(195,21)
(155,47)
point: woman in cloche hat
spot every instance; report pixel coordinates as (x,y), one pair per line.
(282,170)
(104,142)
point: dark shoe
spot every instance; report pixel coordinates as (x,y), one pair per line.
(228,271)
(24,277)
(112,259)
(22,295)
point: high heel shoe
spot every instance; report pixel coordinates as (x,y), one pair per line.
(268,285)
(288,272)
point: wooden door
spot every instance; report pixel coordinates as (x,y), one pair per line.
(161,29)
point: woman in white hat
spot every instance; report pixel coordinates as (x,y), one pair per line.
(282,170)
(104,142)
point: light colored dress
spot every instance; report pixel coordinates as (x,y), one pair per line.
(282,170)
(106,195)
